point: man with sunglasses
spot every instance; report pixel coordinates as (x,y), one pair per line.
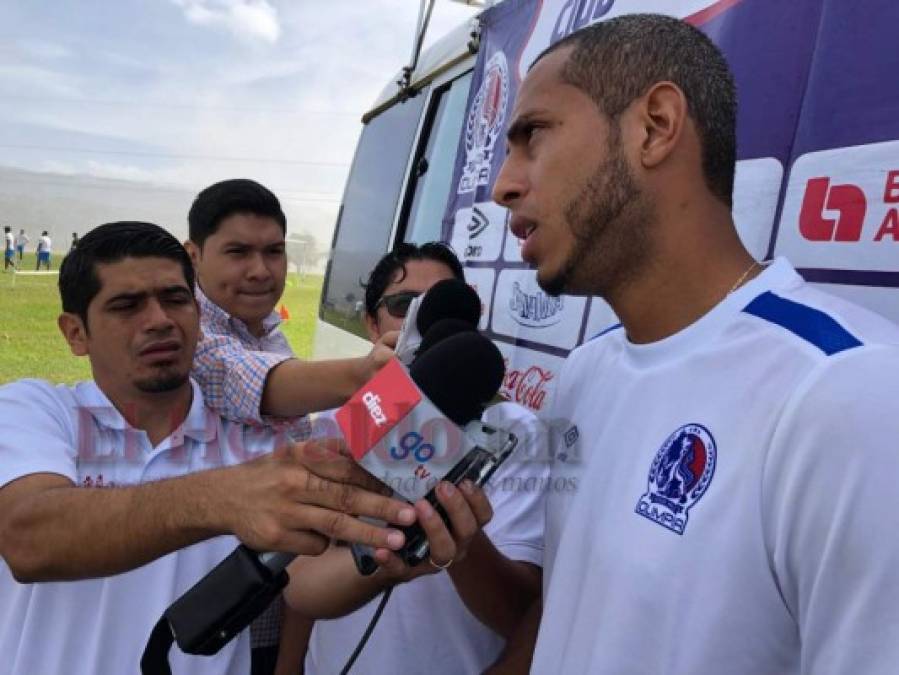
(450,622)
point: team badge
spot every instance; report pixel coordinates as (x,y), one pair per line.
(485,124)
(679,476)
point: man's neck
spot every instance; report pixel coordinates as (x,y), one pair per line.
(694,267)
(157,414)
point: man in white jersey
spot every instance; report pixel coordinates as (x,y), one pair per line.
(43,251)
(737,509)
(9,249)
(441,621)
(117,495)
(22,240)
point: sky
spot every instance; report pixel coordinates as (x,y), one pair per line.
(124,109)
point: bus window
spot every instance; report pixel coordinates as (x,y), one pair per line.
(433,169)
(367,213)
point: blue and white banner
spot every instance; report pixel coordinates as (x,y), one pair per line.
(818,143)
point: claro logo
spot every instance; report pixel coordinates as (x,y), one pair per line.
(373,405)
(836,212)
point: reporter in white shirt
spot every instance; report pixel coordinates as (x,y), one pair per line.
(119,494)
(437,621)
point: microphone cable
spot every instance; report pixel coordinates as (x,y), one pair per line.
(385,596)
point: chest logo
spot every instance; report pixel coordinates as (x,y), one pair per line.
(679,476)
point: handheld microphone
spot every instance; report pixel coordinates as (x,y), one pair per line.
(412,430)
(447,386)
(449,299)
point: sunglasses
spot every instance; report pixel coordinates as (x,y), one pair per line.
(397,304)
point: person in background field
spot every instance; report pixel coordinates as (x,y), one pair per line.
(738,506)
(117,495)
(43,251)
(453,613)
(74,243)
(9,249)
(244,364)
(22,240)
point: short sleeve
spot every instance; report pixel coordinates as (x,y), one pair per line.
(37,432)
(233,377)
(517,490)
(831,513)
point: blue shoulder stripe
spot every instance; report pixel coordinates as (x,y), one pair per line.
(604,331)
(812,325)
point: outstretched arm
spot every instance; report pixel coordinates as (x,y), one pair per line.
(293,500)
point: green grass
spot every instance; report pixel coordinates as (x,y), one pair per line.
(32,346)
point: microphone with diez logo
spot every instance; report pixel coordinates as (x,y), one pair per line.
(408,428)
(413,429)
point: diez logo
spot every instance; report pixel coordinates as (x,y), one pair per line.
(527,386)
(849,205)
(373,404)
(536,310)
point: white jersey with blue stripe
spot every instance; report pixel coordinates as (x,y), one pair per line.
(736,508)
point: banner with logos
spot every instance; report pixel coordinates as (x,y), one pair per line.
(817,172)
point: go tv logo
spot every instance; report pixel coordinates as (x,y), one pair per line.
(836,212)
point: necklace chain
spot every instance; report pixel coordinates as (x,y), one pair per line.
(739,282)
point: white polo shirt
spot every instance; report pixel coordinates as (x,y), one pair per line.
(737,508)
(425,627)
(100,626)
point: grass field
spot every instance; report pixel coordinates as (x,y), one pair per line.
(31,345)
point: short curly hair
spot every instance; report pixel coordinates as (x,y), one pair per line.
(382,274)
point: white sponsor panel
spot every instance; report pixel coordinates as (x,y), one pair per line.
(531,377)
(481,280)
(756,191)
(600,318)
(521,309)
(841,209)
(478,232)
(560,18)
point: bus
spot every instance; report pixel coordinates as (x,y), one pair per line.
(817,175)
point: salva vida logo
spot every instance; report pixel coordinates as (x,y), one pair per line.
(534,310)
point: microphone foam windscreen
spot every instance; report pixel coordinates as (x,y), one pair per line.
(460,374)
(440,331)
(448,299)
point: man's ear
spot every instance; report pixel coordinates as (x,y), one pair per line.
(662,115)
(371,325)
(74,331)
(193,251)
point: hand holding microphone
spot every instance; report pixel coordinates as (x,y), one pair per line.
(454,373)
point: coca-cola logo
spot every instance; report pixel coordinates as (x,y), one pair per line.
(528,386)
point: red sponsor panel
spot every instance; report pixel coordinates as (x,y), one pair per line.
(841,210)
(377,408)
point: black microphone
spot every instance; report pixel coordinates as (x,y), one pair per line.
(441,330)
(448,299)
(460,373)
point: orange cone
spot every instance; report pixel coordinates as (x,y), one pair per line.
(283,313)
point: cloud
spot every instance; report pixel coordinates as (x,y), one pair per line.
(246,19)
